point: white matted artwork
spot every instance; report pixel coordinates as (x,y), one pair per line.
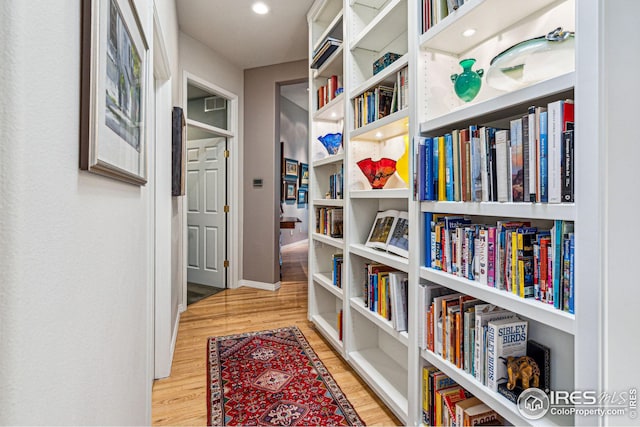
(115,56)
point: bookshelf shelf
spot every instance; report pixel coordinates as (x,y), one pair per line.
(327,325)
(325,280)
(390,193)
(333,65)
(394,124)
(389,24)
(496,401)
(373,4)
(503,106)
(358,304)
(330,160)
(540,312)
(332,241)
(395,261)
(328,202)
(563,211)
(334,25)
(446,36)
(383,76)
(385,376)
(332,111)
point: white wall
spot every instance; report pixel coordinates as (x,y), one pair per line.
(294,132)
(200,61)
(74,293)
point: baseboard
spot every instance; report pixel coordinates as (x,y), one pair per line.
(182,308)
(260,285)
(303,242)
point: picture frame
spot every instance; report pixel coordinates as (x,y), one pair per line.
(304,175)
(114,91)
(290,170)
(290,191)
(302,196)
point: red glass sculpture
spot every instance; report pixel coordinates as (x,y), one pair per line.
(377,172)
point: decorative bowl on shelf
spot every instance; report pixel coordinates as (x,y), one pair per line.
(332,142)
(533,60)
(467,84)
(378,171)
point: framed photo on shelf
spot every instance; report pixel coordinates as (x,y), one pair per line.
(304,175)
(302,196)
(290,190)
(291,170)
(114,85)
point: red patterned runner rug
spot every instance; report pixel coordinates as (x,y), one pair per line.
(272,378)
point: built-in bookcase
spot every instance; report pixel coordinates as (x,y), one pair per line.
(389,361)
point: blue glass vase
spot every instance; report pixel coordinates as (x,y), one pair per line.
(332,142)
(467,84)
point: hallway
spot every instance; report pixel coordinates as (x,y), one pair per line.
(181,398)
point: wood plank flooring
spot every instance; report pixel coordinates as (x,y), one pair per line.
(181,399)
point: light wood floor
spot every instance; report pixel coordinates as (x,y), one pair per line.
(181,398)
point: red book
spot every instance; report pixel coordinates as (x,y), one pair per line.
(567,116)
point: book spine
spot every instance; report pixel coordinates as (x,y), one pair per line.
(491,256)
(456,166)
(501,165)
(517,194)
(536,272)
(567,166)
(525,158)
(429,167)
(484,176)
(533,155)
(572,246)
(422,178)
(515,283)
(449,168)
(483,255)
(476,163)
(555,125)
(429,249)
(556,265)
(544,196)
(566,271)
(442,195)
(492,337)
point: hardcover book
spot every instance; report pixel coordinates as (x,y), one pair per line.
(505,338)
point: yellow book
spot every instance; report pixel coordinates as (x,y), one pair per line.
(520,265)
(514,262)
(442,192)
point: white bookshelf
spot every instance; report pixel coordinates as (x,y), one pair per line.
(391,362)
(328,202)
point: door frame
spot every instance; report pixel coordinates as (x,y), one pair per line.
(233,184)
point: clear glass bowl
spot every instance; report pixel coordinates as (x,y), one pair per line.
(532,61)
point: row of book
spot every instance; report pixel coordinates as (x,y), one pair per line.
(329,221)
(479,338)
(434,11)
(382,100)
(512,256)
(445,403)
(532,161)
(337,260)
(336,185)
(385,292)
(328,92)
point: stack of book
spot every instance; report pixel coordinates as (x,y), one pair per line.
(532,161)
(328,92)
(323,53)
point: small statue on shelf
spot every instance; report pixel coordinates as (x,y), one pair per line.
(524,369)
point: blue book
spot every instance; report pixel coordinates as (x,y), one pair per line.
(556,263)
(436,154)
(544,158)
(422,178)
(448,173)
(572,246)
(429,171)
(427,239)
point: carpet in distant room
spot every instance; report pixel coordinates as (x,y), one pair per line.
(272,378)
(196,292)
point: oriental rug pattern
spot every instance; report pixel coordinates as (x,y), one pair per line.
(272,378)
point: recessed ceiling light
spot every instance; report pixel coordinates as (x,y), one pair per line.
(333,114)
(469,32)
(260,8)
(378,134)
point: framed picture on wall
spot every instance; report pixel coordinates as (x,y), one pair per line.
(290,190)
(291,170)
(304,175)
(114,87)
(302,197)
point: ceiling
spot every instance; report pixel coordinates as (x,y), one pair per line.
(245,38)
(296,93)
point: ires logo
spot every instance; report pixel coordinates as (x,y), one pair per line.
(533,404)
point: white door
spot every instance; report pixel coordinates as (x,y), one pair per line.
(206,221)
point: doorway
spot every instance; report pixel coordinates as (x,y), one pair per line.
(294,137)
(207,189)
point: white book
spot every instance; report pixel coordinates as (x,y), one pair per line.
(397,281)
(501,166)
(485,313)
(381,229)
(459,245)
(533,156)
(505,338)
(555,112)
(484,177)
(399,239)
(482,251)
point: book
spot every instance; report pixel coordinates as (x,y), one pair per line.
(517,172)
(455,135)
(462,406)
(533,154)
(501,166)
(485,313)
(543,173)
(567,167)
(450,193)
(505,338)
(380,233)
(399,240)
(324,52)
(476,165)
(480,414)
